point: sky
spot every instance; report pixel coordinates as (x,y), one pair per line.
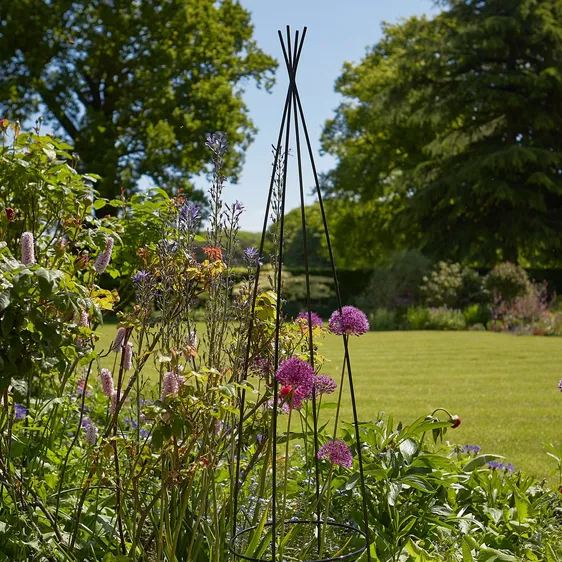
(338,31)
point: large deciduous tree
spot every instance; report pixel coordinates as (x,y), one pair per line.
(134,84)
(455,123)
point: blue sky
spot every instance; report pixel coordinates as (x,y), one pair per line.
(338,31)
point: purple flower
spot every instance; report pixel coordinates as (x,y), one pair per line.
(252,255)
(217,142)
(84,319)
(107,382)
(560,385)
(315,320)
(261,366)
(170,385)
(27,249)
(323,384)
(104,257)
(510,468)
(471,449)
(91,433)
(238,207)
(20,411)
(298,375)
(115,398)
(118,341)
(144,433)
(336,452)
(81,387)
(496,464)
(189,216)
(128,356)
(351,321)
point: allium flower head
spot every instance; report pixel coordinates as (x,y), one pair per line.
(20,411)
(315,320)
(118,341)
(336,452)
(27,249)
(107,382)
(323,384)
(351,321)
(128,356)
(297,374)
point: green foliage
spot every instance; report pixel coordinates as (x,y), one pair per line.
(383,320)
(395,284)
(417,317)
(507,281)
(452,285)
(132,85)
(475,314)
(438,318)
(452,120)
(438,504)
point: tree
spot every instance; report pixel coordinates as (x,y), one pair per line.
(457,119)
(135,85)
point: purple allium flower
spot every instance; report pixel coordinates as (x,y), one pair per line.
(217,142)
(189,216)
(91,433)
(107,382)
(104,258)
(20,411)
(471,449)
(298,375)
(336,452)
(27,249)
(128,356)
(118,341)
(315,320)
(323,384)
(170,385)
(351,321)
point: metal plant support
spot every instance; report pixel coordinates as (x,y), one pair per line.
(293,123)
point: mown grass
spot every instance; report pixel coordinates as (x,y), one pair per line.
(503,387)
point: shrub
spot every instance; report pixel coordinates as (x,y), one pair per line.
(507,281)
(443,318)
(523,312)
(383,320)
(452,285)
(476,314)
(417,318)
(396,284)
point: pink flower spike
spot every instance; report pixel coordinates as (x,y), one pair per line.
(128,356)
(107,382)
(118,341)
(170,385)
(27,249)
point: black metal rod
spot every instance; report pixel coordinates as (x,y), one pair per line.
(344,336)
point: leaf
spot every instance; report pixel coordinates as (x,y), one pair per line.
(352,481)
(5,300)
(418,483)
(479,461)
(487,554)
(393,493)
(408,449)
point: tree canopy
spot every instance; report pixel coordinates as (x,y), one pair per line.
(135,85)
(453,126)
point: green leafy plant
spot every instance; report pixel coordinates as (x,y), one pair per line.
(507,281)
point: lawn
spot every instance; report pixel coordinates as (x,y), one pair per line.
(503,387)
